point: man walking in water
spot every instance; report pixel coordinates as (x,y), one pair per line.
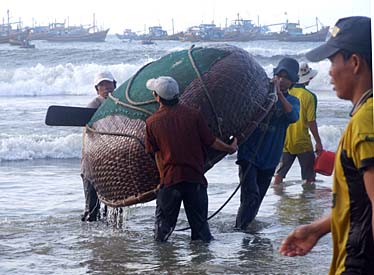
(298,142)
(259,155)
(177,134)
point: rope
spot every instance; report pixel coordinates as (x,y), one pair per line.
(133,104)
(115,134)
(118,101)
(129,86)
(219,209)
(266,124)
(205,89)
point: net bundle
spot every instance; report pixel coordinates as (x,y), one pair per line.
(224,82)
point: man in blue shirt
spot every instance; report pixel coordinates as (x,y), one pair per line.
(259,155)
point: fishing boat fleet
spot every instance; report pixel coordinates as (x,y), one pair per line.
(53,32)
(241,30)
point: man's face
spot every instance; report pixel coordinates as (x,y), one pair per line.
(284,82)
(104,88)
(341,73)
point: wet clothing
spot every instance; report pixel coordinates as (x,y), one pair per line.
(195,202)
(179,134)
(254,185)
(298,142)
(260,154)
(92,203)
(351,215)
(306,161)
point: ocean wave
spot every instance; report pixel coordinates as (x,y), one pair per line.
(69,79)
(33,147)
(63,79)
(66,75)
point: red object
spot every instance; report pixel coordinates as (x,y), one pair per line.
(324,163)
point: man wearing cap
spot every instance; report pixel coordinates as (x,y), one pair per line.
(177,135)
(351,219)
(298,142)
(104,84)
(259,155)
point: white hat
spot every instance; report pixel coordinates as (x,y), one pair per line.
(165,86)
(306,73)
(103,76)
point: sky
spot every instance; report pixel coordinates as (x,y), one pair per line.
(138,15)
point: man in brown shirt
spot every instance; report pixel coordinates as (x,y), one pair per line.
(177,135)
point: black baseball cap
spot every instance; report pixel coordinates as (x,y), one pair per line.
(350,33)
(291,66)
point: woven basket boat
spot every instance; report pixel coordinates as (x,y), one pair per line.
(225,82)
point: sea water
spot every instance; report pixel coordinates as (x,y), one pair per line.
(41,193)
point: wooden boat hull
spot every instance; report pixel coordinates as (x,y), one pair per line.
(99,36)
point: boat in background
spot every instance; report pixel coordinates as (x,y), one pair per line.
(292,32)
(127,34)
(21,39)
(78,34)
(59,33)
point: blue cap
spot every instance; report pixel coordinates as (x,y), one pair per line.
(290,66)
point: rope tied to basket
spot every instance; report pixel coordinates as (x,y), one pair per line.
(92,130)
(198,73)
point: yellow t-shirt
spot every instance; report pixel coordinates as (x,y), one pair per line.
(351,214)
(298,139)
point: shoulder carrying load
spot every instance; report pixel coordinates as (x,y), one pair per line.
(229,87)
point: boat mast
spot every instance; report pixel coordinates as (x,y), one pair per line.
(8,31)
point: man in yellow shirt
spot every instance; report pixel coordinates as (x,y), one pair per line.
(298,142)
(351,220)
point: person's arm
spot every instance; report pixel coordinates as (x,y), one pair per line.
(286,105)
(290,109)
(314,129)
(369,186)
(224,147)
(159,163)
(301,240)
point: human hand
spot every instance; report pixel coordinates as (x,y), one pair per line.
(234,146)
(319,148)
(299,242)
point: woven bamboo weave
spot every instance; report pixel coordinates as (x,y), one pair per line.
(234,96)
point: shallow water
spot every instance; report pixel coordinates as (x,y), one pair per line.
(41,194)
(41,232)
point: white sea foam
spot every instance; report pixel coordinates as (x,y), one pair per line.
(40,147)
(64,147)
(67,79)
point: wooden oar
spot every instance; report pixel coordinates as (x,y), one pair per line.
(68,116)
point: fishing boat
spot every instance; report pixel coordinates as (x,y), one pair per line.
(292,32)
(79,35)
(317,36)
(127,34)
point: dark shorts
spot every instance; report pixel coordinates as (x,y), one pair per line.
(306,161)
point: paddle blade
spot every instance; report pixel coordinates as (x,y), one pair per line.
(68,116)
